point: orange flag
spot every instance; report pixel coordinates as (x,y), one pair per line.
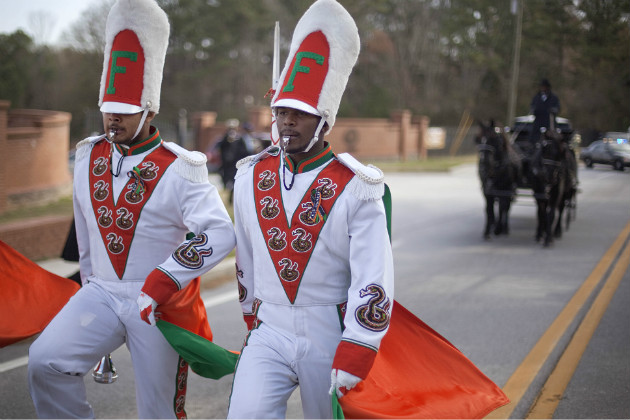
(184,323)
(419,374)
(31,296)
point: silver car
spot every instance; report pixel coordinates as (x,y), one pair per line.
(613,149)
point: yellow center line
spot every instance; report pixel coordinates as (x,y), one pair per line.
(557,382)
(524,375)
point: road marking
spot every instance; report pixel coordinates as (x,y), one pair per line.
(222,298)
(524,375)
(208,303)
(12,364)
(553,390)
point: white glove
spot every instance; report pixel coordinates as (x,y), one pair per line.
(147,308)
(342,379)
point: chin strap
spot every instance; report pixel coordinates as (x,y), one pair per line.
(142,120)
(322,121)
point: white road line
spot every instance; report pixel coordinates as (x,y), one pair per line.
(208,302)
(12,364)
(219,299)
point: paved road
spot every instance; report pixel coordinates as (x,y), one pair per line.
(516,309)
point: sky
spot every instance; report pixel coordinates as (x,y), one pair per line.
(60,15)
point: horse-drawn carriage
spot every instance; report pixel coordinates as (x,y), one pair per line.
(510,166)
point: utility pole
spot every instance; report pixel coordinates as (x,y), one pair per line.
(516,8)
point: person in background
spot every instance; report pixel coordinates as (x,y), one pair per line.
(545,107)
(136,199)
(314,260)
(231,148)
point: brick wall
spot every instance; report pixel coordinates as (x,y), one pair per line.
(398,137)
(37,238)
(34,148)
(34,170)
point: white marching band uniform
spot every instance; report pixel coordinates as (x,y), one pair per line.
(135,206)
(103,314)
(350,270)
(314,261)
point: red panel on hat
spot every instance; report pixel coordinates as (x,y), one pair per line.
(308,70)
(125,73)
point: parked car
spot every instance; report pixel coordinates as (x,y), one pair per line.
(610,150)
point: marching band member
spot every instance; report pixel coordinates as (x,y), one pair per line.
(135,199)
(314,261)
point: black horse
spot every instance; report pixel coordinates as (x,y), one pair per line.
(548,173)
(568,202)
(499,168)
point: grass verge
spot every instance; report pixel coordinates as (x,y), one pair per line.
(433,164)
(63,206)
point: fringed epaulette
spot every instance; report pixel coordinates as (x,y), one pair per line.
(247,162)
(190,165)
(82,149)
(368,183)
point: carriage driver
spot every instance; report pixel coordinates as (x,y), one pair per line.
(545,106)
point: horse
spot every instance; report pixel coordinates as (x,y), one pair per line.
(548,176)
(498,170)
(568,200)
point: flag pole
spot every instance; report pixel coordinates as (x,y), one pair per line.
(276,56)
(275,76)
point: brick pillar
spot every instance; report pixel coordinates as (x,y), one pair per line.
(260,118)
(4,123)
(422,123)
(403,119)
(202,123)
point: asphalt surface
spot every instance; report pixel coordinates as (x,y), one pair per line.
(495,300)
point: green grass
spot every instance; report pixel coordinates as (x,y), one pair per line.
(433,164)
(63,206)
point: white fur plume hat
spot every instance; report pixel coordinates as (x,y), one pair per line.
(324,49)
(136,39)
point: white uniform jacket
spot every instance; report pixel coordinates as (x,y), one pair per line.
(132,227)
(324,241)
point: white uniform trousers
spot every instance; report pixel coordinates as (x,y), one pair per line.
(97,320)
(276,360)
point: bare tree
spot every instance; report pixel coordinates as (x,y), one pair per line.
(41,25)
(88,33)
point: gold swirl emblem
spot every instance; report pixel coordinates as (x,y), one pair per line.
(270,209)
(374,314)
(290,271)
(105,218)
(302,242)
(100,166)
(267,180)
(101,191)
(134,197)
(327,188)
(115,244)
(148,171)
(125,219)
(277,240)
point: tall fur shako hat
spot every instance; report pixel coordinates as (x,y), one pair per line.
(324,48)
(136,36)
